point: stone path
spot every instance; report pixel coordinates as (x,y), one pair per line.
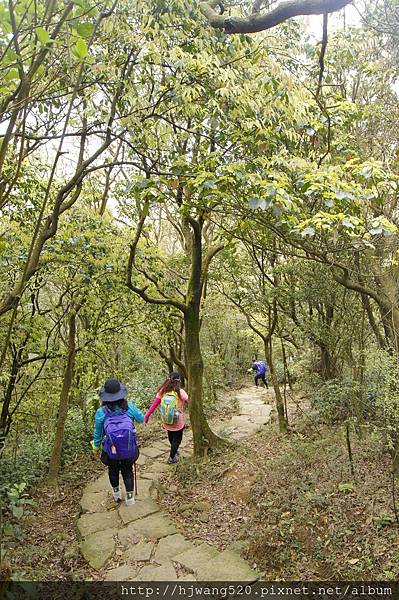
(143,536)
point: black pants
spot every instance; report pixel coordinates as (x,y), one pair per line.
(262,378)
(175,438)
(121,466)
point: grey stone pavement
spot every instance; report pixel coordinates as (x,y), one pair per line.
(143,536)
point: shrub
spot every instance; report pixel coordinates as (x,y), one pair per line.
(27,461)
(336,400)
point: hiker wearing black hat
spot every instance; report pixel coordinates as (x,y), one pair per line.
(171,399)
(114,430)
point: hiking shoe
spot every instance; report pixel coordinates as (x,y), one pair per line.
(172,461)
(130,499)
(117,494)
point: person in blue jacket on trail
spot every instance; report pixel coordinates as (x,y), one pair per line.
(260,368)
(115,434)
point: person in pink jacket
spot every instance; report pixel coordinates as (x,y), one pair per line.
(171,387)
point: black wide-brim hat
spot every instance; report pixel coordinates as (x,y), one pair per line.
(112,391)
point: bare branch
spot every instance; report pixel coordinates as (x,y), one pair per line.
(262,21)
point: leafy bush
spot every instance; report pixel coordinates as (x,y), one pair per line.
(76,435)
(28,460)
(382,381)
(335,400)
(14,507)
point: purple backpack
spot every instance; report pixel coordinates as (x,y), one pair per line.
(120,436)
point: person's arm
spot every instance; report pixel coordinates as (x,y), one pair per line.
(98,429)
(156,402)
(134,413)
(184,396)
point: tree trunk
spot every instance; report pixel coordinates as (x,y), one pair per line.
(327,365)
(203,436)
(282,423)
(55,460)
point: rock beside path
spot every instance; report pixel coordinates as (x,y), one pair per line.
(226,566)
(196,557)
(98,547)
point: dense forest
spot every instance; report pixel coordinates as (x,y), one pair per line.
(188,187)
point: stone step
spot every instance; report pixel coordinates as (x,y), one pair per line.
(93,502)
(99,485)
(163,572)
(196,556)
(227,566)
(170,546)
(138,510)
(98,547)
(122,573)
(151,452)
(139,552)
(153,527)
(91,522)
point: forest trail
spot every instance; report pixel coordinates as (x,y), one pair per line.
(141,539)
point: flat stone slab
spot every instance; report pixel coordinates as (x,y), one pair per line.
(163,446)
(152,452)
(261,420)
(170,546)
(99,485)
(197,556)
(139,552)
(228,566)
(142,459)
(92,522)
(138,510)
(165,572)
(241,434)
(251,395)
(94,501)
(153,527)
(98,547)
(257,410)
(160,467)
(143,489)
(240,421)
(122,573)
(226,430)
(150,475)
(251,401)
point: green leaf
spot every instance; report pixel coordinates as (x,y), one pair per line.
(85,30)
(17,511)
(80,48)
(12,74)
(42,35)
(345,487)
